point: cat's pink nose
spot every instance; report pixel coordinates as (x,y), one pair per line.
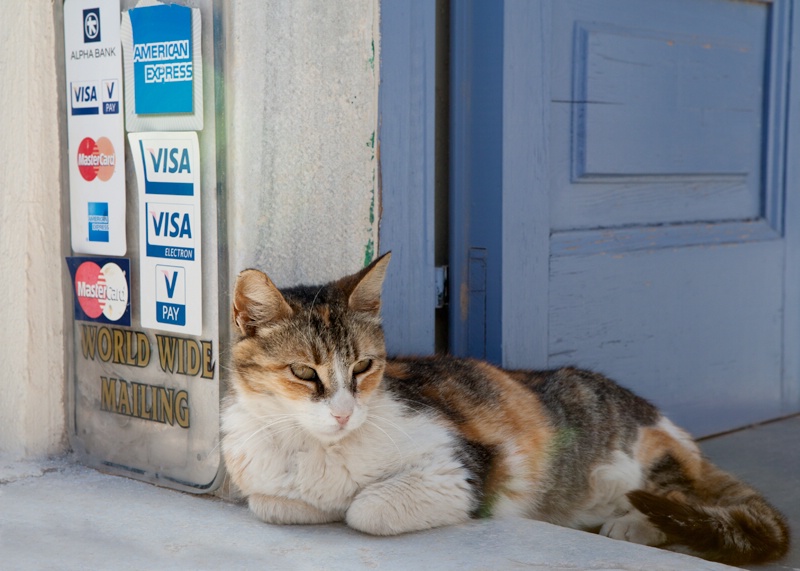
(342,420)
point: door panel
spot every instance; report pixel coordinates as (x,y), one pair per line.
(643,184)
(657,112)
(698,329)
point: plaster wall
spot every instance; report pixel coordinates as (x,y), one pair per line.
(31,264)
(302,119)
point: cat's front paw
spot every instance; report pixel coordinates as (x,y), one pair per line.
(404,505)
(274,509)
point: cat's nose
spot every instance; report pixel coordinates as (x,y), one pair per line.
(342,420)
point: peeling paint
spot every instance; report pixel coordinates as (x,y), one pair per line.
(371,59)
(372,209)
(371,145)
(369,252)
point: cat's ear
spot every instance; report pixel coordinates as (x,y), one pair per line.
(256,301)
(364,288)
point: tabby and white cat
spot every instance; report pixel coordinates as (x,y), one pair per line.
(320,426)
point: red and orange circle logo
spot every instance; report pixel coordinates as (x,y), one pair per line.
(96,159)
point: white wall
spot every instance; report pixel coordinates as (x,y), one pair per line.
(302,170)
(31,264)
(302,175)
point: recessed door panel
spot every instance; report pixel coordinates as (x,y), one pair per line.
(658,114)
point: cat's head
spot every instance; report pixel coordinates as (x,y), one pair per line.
(310,356)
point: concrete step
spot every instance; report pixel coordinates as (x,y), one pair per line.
(55,514)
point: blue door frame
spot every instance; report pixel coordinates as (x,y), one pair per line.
(406,154)
(476,179)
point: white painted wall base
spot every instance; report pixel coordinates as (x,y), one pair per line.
(31,264)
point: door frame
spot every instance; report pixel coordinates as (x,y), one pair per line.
(405,150)
(498,149)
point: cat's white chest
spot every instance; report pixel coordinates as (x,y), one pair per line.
(295,465)
(324,476)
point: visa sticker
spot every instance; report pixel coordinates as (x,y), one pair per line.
(167,168)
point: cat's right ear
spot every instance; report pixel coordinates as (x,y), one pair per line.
(256,301)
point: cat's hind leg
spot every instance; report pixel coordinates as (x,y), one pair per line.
(412,501)
(661,456)
(634,527)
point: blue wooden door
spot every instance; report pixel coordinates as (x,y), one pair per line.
(622,201)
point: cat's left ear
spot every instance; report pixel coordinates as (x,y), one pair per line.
(256,301)
(364,288)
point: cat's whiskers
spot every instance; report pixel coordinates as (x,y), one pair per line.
(319,291)
(412,403)
(227,368)
(394,425)
(261,429)
(371,422)
(210,452)
(284,418)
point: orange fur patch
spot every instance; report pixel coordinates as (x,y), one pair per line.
(257,374)
(522,421)
(511,422)
(325,313)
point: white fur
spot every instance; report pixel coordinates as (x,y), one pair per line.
(385,472)
(517,485)
(609,506)
(609,484)
(634,527)
(678,434)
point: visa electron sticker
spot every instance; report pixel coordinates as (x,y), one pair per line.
(101,289)
(95,126)
(168,174)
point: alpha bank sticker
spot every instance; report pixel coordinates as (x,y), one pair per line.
(168,174)
(102,289)
(95,129)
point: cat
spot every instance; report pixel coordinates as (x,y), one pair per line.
(321,426)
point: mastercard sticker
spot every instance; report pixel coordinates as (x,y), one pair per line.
(101,288)
(96,159)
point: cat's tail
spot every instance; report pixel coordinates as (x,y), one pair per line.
(723,519)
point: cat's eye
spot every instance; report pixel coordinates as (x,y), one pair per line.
(303,372)
(362,366)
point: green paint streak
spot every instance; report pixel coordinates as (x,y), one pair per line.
(371,145)
(371,59)
(369,252)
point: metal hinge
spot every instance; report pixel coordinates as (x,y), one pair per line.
(441,286)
